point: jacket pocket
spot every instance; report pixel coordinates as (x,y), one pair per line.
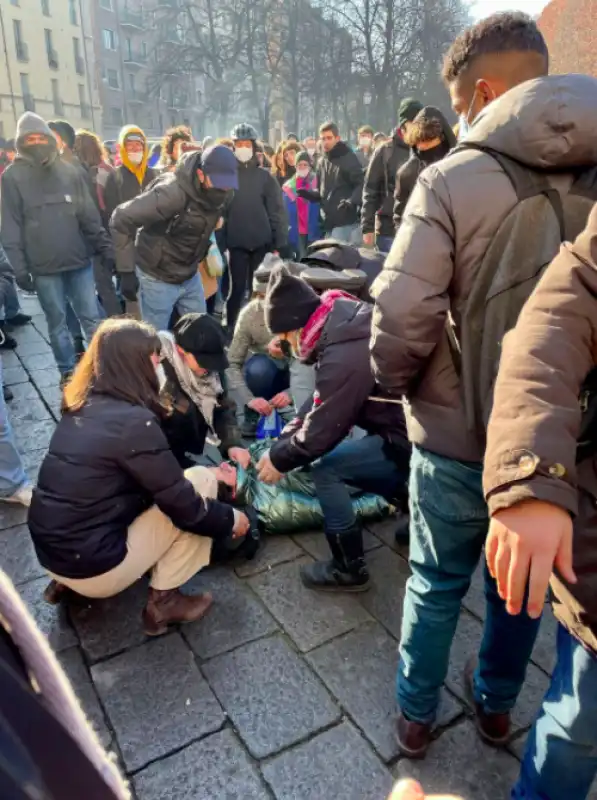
(53,238)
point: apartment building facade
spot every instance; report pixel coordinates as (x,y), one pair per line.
(130,37)
(47,63)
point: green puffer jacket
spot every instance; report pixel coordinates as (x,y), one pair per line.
(291,506)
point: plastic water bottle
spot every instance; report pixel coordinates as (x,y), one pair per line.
(269,427)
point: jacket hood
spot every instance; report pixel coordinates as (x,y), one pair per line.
(349,320)
(31,123)
(338,150)
(545,123)
(138,170)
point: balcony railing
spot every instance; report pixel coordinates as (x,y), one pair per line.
(79,65)
(131,19)
(22,51)
(134,58)
(52,58)
(28,102)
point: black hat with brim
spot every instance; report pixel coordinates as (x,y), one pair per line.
(204,338)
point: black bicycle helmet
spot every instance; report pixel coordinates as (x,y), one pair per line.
(243,132)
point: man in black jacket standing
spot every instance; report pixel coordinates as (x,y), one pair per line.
(256,221)
(50,229)
(340,186)
(176,218)
(332,332)
(380,181)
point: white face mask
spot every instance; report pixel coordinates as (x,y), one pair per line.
(303,172)
(311,151)
(243,154)
(161,376)
(365,141)
(135,158)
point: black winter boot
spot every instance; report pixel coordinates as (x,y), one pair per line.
(249,426)
(346,571)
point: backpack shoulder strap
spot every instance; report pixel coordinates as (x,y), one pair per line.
(526,181)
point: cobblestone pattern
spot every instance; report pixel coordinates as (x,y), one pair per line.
(279,693)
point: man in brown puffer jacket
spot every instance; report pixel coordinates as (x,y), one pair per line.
(545,361)
(455,211)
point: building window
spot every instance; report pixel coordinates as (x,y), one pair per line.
(28,102)
(112,76)
(109,39)
(20,46)
(132,82)
(79,61)
(72,11)
(107,4)
(116,116)
(144,49)
(85,108)
(14,2)
(58,107)
(50,52)
(45,8)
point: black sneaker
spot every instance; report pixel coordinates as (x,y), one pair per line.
(330,576)
(17,321)
(6,341)
(8,395)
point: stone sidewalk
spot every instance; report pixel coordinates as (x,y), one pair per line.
(280,692)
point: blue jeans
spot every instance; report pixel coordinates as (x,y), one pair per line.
(560,760)
(448,528)
(12,306)
(264,378)
(55,292)
(351,234)
(362,464)
(12,474)
(159,299)
(384,243)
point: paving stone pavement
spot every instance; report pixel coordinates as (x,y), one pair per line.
(279,693)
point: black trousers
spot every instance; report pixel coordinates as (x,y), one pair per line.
(241,267)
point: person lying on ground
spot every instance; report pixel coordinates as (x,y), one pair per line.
(112,502)
(193,389)
(258,374)
(332,332)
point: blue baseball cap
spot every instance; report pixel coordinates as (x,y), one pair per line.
(221,166)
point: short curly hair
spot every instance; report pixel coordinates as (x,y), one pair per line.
(180,133)
(510,32)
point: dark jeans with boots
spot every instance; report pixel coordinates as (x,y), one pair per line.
(369,464)
(241,267)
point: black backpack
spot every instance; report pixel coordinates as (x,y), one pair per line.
(526,242)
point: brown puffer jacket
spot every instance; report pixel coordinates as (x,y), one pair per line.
(531,439)
(454,212)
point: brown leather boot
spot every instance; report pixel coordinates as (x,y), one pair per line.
(54,592)
(494,729)
(166,607)
(413,737)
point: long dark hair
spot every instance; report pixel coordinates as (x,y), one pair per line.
(117,363)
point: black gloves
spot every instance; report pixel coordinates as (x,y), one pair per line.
(346,205)
(309,194)
(25,282)
(129,285)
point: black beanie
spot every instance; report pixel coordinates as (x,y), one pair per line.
(289,301)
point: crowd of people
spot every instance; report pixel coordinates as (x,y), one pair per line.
(174,283)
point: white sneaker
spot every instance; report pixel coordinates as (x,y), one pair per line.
(22,496)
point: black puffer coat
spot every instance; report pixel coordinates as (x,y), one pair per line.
(174,218)
(108,463)
(340,177)
(256,217)
(380,182)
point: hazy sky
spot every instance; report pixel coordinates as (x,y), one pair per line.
(482,8)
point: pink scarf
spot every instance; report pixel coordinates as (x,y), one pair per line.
(312,331)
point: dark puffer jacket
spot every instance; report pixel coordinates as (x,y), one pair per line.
(380,182)
(340,177)
(108,463)
(256,217)
(174,219)
(50,223)
(344,385)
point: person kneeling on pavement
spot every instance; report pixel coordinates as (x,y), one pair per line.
(193,389)
(112,502)
(332,332)
(258,373)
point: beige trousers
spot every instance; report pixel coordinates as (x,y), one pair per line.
(153,542)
